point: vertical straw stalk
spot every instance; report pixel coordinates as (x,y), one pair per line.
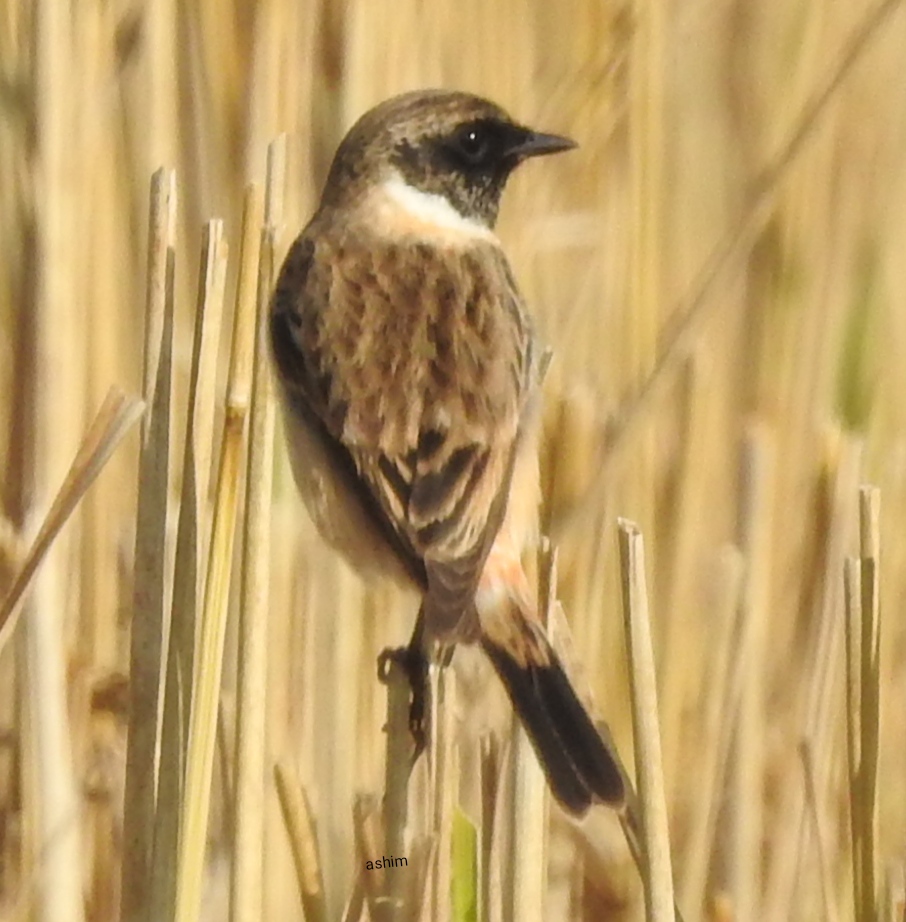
(112,423)
(529,818)
(151,567)
(819,684)
(247,902)
(54,378)
(397,768)
(188,565)
(862,597)
(443,788)
(657,874)
(303,839)
(209,654)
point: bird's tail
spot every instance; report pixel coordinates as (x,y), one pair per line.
(580,766)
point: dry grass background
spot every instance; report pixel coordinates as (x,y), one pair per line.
(742,467)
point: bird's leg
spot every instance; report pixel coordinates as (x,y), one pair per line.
(413,660)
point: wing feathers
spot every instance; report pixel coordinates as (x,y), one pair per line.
(416,361)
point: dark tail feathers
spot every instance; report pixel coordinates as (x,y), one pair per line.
(580,768)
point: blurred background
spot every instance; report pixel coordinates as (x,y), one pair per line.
(765,142)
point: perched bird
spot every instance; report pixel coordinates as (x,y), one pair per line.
(409,375)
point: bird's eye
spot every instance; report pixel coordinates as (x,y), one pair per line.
(474,142)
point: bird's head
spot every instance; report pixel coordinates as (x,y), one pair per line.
(455,146)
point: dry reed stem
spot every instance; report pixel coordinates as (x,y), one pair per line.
(397,766)
(354,910)
(151,553)
(852,592)
(488,876)
(528,814)
(422,850)
(527,809)
(209,655)
(658,876)
(862,594)
(303,839)
(247,894)
(528,837)
(113,422)
(210,315)
(870,700)
(819,680)
(246,904)
(188,564)
(368,844)
(55,384)
(443,787)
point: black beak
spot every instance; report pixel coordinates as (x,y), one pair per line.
(535,144)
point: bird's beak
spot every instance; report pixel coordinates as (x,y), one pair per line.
(535,144)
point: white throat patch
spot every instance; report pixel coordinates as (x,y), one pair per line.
(430,214)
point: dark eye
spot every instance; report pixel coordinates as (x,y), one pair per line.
(474,143)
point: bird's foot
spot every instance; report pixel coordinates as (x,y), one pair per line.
(414,664)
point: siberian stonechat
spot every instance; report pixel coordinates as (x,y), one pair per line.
(409,374)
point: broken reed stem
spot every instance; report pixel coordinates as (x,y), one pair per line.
(396,775)
(113,422)
(150,568)
(443,787)
(209,656)
(529,831)
(303,840)
(658,876)
(488,855)
(852,591)
(368,844)
(188,563)
(819,681)
(246,903)
(862,594)
(870,718)
(528,835)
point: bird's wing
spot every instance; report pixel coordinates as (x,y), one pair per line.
(416,362)
(304,376)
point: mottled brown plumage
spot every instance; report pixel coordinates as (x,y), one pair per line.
(410,378)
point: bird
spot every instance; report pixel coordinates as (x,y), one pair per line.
(409,372)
